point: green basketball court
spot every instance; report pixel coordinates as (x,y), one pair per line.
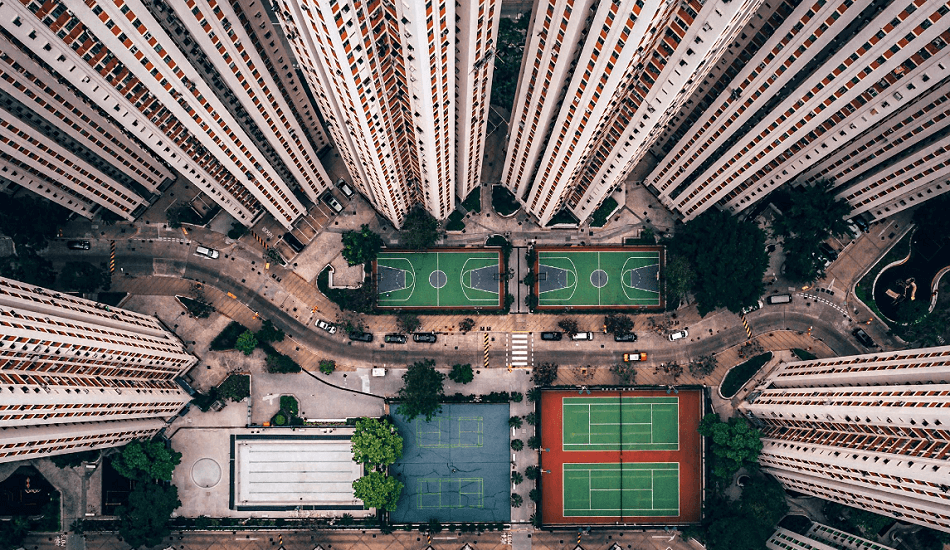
(585,278)
(621,423)
(621,490)
(470,279)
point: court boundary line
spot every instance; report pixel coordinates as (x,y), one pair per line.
(412,289)
(576,278)
(486,253)
(463,286)
(650,446)
(624,286)
(620,470)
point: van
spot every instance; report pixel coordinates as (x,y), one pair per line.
(207,252)
(583,336)
(780,299)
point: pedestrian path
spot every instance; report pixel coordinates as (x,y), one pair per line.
(520,349)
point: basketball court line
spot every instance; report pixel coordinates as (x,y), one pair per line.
(651,255)
(386,261)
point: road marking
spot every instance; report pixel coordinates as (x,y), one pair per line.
(519,350)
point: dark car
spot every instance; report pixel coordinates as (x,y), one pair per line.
(828,251)
(293,242)
(628,337)
(554,336)
(77,245)
(361,336)
(426,337)
(863,337)
(395,338)
(862,224)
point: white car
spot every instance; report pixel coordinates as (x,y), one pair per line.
(679,335)
(343,186)
(326,326)
(754,307)
(207,252)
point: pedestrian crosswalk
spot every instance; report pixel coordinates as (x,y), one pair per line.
(519,349)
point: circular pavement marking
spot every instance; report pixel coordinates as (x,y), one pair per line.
(206,473)
(598,278)
(438,279)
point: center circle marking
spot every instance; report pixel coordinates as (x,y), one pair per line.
(598,278)
(438,279)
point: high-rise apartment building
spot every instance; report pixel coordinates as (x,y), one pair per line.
(77,375)
(599,83)
(854,91)
(868,431)
(404,90)
(817,536)
(184,82)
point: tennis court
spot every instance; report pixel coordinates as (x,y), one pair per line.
(618,490)
(621,423)
(590,278)
(448,278)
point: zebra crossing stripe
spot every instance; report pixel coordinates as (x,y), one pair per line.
(519,349)
(487,347)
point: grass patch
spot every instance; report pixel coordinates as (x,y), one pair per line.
(602,214)
(563,217)
(804,355)
(503,201)
(289,403)
(473,203)
(739,375)
(863,290)
(455,223)
(227,339)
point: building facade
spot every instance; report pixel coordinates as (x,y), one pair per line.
(818,536)
(850,91)
(183,82)
(77,375)
(404,90)
(867,431)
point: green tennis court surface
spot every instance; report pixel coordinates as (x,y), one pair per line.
(617,490)
(615,423)
(455,279)
(586,278)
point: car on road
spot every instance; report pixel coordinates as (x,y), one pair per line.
(293,242)
(754,307)
(779,299)
(864,338)
(207,252)
(678,335)
(828,251)
(628,337)
(583,336)
(327,326)
(636,356)
(357,336)
(552,336)
(425,337)
(328,200)
(77,245)
(343,186)
(395,339)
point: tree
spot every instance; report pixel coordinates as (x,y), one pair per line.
(327,366)
(378,490)
(532,472)
(83,277)
(508,52)
(237,230)
(812,217)
(422,391)
(408,322)
(763,498)
(235,387)
(802,262)
(516,500)
(28,267)
(736,533)
(278,363)
(531,418)
(534,442)
(516,478)
(74,460)
(269,333)
(680,277)
(361,246)
(461,374)
(517,444)
(734,444)
(515,422)
(466,324)
(728,257)
(419,229)
(704,365)
(376,442)
(544,374)
(246,343)
(626,371)
(145,521)
(145,460)
(30,221)
(179,214)
(568,325)
(13,532)
(618,324)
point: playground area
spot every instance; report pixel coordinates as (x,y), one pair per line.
(599,278)
(444,279)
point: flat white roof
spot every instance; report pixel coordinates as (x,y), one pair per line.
(295,472)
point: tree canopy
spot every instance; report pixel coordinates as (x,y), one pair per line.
(813,216)
(734,444)
(361,246)
(146,460)
(461,374)
(145,521)
(13,532)
(376,442)
(512,35)
(84,277)
(408,322)
(931,217)
(727,257)
(31,221)
(680,277)
(246,342)
(544,374)
(419,229)
(269,333)
(378,490)
(28,267)
(763,498)
(422,390)
(618,324)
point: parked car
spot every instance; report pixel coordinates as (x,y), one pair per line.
(361,336)
(552,336)
(343,186)
(828,251)
(679,335)
(637,356)
(754,307)
(395,339)
(425,337)
(327,326)
(77,245)
(855,231)
(207,252)
(628,337)
(293,242)
(862,224)
(583,336)
(328,200)
(779,299)
(864,338)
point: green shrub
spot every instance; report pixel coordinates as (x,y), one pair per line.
(228,337)
(504,203)
(455,221)
(327,366)
(517,397)
(473,203)
(279,363)
(279,420)
(236,387)
(739,375)
(601,215)
(288,404)
(804,355)
(462,374)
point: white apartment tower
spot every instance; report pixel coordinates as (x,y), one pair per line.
(854,91)
(77,375)
(404,90)
(182,81)
(868,431)
(600,81)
